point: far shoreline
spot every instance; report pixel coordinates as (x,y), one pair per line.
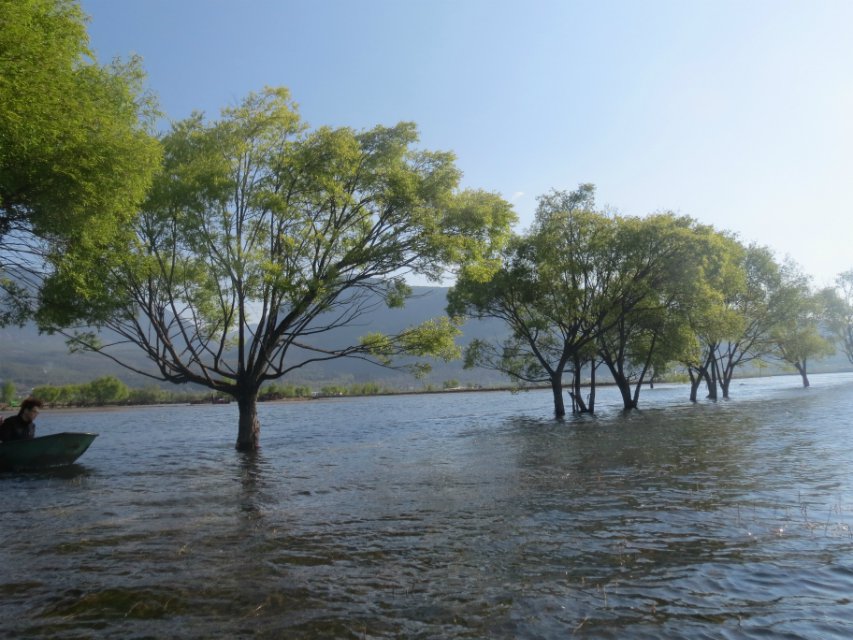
(6,410)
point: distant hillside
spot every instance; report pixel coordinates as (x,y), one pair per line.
(30,359)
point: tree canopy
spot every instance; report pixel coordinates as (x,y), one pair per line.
(76,157)
(260,237)
(797,334)
(544,290)
(584,287)
(838,307)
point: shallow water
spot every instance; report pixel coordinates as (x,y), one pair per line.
(444,516)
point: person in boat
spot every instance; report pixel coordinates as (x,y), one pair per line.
(21,426)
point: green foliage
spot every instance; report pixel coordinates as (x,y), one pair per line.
(837,306)
(658,286)
(475,228)
(283,391)
(107,390)
(100,392)
(76,156)
(546,289)
(49,394)
(7,392)
(259,235)
(748,308)
(797,334)
(434,338)
(149,395)
(634,293)
(357,389)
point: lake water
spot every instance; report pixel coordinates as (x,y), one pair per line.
(470,515)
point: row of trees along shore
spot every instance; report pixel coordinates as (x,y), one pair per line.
(225,249)
(585,289)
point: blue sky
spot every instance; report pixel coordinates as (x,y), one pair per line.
(739,114)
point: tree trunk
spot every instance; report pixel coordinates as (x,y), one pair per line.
(725,382)
(557,390)
(622,384)
(626,392)
(592,368)
(249,429)
(711,383)
(801,367)
(695,381)
(578,405)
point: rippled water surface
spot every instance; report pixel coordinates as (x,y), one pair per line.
(444,516)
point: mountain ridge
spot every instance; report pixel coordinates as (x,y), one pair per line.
(31,359)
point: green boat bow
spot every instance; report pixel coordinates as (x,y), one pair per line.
(56,450)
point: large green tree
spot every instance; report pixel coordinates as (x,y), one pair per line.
(260,238)
(584,287)
(76,157)
(647,321)
(797,334)
(752,302)
(547,291)
(711,318)
(838,303)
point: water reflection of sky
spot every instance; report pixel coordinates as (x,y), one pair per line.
(469,515)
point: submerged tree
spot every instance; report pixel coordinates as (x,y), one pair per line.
(546,291)
(647,322)
(260,238)
(710,318)
(76,157)
(838,303)
(797,333)
(581,288)
(753,301)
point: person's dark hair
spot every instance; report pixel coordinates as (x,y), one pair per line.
(31,403)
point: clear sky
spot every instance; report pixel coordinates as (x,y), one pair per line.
(738,113)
